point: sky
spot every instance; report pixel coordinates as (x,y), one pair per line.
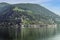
(52,5)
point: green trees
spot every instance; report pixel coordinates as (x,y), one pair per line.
(23,14)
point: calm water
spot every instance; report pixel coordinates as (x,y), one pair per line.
(39,34)
(56,37)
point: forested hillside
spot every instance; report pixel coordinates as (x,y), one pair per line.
(30,13)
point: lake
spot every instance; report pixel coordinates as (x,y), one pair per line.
(56,37)
(39,34)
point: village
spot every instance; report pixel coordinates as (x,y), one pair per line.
(39,26)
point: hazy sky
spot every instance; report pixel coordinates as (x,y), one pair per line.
(53,5)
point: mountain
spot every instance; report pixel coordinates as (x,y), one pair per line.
(30,13)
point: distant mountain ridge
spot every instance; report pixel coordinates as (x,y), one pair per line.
(36,12)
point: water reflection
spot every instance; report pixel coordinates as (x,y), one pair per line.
(37,33)
(56,37)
